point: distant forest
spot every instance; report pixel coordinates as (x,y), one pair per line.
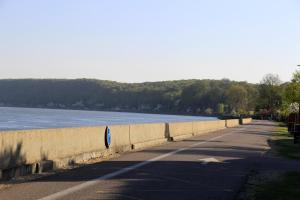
(200,97)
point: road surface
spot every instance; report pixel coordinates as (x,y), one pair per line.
(210,166)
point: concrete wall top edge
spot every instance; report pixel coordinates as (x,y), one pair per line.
(21,131)
(203,121)
(147,124)
(48,129)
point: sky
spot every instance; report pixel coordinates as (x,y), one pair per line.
(149,40)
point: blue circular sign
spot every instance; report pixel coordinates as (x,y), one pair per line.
(107,137)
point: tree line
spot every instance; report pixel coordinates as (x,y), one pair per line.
(200,97)
(278,100)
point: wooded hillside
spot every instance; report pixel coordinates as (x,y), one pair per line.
(184,96)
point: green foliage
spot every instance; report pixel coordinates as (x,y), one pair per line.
(221,108)
(237,98)
(270,93)
(184,96)
(296,76)
(209,97)
(292,91)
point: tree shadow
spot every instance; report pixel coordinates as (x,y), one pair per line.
(10,160)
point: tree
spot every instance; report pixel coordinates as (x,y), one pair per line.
(220,108)
(236,98)
(271,79)
(296,76)
(292,91)
(270,93)
(164,96)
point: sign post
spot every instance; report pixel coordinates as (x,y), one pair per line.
(107,137)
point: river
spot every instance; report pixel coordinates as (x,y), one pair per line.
(12,118)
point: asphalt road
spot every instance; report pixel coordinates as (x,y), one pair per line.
(210,166)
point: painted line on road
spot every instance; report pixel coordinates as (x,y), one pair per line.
(95,181)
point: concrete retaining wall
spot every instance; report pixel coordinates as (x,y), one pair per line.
(201,127)
(31,151)
(232,122)
(246,120)
(142,135)
(120,138)
(31,146)
(180,130)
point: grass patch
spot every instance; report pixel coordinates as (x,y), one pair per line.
(282,131)
(283,143)
(287,187)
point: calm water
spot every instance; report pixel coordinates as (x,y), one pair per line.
(35,118)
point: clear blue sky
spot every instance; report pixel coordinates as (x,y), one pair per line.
(149,40)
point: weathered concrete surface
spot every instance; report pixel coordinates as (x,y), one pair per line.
(232,123)
(62,146)
(175,175)
(246,120)
(207,126)
(143,145)
(120,138)
(183,130)
(31,146)
(180,129)
(181,137)
(142,135)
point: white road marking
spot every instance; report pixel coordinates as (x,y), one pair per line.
(95,181)
(209,160)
